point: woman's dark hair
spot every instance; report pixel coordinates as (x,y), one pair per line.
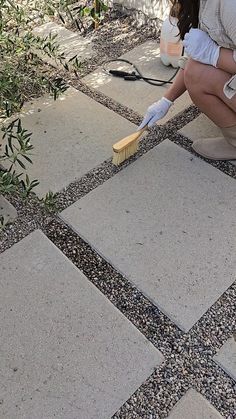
(187,13)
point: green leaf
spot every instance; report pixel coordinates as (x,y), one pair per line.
(19,127)
(10,143)
(61,17)
(27,180)
(20,163)
(6,151)
(72,58)
(27,158)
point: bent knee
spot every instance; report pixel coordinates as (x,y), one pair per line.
(204,78)
(194,74)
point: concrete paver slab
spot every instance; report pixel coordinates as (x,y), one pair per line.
(201,127)
(226,357)
(159,222)
(7,211)
(70,43)
(193,405)
(66,351)
(138,95)
(70,136)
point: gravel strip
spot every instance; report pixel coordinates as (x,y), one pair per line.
(31,215)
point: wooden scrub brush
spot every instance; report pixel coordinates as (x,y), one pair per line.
(126,147)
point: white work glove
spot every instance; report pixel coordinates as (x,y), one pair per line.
(155,112)
(200,47)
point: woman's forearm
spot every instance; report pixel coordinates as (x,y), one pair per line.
(226,61)
(177,88)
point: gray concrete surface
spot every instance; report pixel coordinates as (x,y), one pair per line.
(167,222)
(226,357)
(7,211)
(138,95)
(194,406)
(70,43)
(66,351)
(201,127)
(70,137)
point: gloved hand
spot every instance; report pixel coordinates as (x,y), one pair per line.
(155,112)
(200,47)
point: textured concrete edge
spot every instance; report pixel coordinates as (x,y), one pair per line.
(228,349)
(185,326)
(178,324)
(88,282)
(192,397)
(7,210)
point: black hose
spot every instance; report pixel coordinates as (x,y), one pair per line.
(136,75)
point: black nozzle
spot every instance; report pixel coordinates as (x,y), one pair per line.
(119,73)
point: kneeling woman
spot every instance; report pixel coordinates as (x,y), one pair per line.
(208,31)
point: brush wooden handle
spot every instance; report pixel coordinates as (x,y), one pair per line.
(120,145)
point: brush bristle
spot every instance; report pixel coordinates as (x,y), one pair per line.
(124,154)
